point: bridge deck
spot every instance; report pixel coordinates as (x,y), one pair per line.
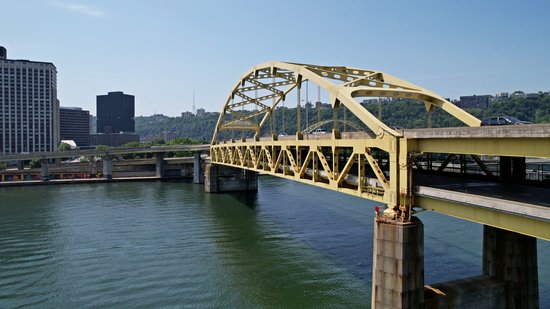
(515,207)
(512,131)
(512,192)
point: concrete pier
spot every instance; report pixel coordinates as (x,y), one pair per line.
(228,179)
(477,292)
(159,165)
(509,279)
(398,264)
(107,168)
(44,173)
(512,257)
(198,171)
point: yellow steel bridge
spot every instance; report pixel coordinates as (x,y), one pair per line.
(350,162)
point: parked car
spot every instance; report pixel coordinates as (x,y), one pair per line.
(319,131)
(503,121)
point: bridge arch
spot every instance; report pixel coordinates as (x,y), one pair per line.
(343,85)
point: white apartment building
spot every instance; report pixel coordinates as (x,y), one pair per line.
(29,109)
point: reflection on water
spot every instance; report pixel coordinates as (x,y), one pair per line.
(169,244)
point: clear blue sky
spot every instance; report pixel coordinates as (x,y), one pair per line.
(161,50)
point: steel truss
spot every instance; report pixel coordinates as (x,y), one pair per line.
(337,161)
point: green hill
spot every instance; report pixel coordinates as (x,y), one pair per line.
(402,113)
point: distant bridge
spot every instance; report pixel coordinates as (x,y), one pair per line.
(101,152)
(106,163)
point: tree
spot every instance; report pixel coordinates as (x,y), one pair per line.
(64,147)
(35,163)
(183,141)
(157,141)
(102,147)
(131,145)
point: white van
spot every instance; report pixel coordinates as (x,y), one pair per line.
(319,131)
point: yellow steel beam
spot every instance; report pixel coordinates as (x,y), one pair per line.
(346,169)
(517,147)
(288,158)
(368,192)
(228,154)
(357,83)
(504,220)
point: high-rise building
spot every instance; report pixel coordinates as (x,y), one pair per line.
(115,113)
(75,125)
(29,109)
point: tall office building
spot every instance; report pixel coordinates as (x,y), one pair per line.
(115,113)
(29,109)
(74,124)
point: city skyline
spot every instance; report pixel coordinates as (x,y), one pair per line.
(161,53)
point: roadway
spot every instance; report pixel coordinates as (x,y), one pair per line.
(487,202)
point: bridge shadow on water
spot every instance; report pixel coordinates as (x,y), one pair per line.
(248,199)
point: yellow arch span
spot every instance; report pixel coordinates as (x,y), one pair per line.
(343,85)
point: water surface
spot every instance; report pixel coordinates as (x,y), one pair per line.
(168,244)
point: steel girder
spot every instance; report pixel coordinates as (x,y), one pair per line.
(317,161)
(343,84)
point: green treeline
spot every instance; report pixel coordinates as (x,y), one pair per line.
(402,113)
(193,127)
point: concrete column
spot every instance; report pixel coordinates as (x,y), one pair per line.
(92,166)
(463,164)
(505,167)
(186,170)
(44,173)
(159,165)
(518,168)
(211,178)
(246,180)
(198,173)
(107,168)
(398,265)
(228,179)
(512,168)
(512,257)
